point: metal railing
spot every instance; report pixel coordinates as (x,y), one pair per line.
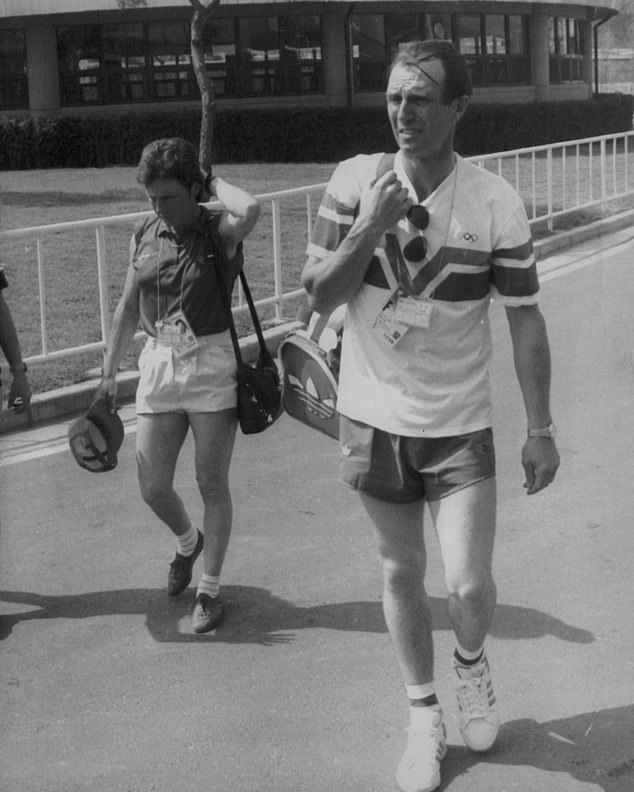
(553,180)
(561,178)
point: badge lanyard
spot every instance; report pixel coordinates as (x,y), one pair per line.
(403,311)
(173,330)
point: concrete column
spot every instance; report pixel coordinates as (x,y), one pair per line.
(540,68)
(336,69)
(588,61)
(41,54)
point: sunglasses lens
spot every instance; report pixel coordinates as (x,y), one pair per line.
(415,249)
(418,216)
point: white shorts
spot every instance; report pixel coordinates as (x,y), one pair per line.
(203,381)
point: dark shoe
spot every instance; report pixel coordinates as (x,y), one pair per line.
(180,574)
(207,613)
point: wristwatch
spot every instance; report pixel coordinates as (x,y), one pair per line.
(18,367)
(549,432)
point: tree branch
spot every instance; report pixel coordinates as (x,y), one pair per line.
(202,12)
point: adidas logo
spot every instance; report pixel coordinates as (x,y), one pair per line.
(308,396)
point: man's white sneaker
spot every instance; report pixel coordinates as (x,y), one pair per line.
(419,769)
(479,720)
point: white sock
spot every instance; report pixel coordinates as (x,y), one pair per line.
(420,691)
(187,541)
(422,699)
(209,585)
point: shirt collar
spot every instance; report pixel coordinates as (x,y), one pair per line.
(399,169)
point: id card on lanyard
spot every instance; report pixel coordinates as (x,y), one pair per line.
(386,325)
(414,312)
(174,330)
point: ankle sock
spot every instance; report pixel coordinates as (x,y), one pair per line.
(209,585)
(187,541)
(420,693)
(421,699)
(466,658)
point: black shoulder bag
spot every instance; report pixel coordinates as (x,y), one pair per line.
(259,386)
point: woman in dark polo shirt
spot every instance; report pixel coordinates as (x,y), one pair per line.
(187,367)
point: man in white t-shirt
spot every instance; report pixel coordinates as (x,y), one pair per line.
(416,245)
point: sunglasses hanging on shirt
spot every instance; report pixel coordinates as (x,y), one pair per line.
(416,249)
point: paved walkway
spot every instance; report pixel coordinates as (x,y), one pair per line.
(105,688)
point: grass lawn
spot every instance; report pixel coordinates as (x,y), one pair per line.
(33,198)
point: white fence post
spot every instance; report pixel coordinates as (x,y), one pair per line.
(277,258)
(42,288)
(549,182)
(102,275)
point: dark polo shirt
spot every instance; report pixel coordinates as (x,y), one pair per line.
(180,274)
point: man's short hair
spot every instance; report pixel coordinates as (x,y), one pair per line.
(457,79)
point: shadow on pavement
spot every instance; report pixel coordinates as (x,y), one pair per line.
(594,747)
(254,615)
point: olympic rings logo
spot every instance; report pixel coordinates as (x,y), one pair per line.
(469,237)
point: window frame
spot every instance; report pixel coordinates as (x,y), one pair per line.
(566,66)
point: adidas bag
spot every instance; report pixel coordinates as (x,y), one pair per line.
(310,371)
(309,381)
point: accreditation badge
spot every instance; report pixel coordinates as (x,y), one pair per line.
(414,312)
(386,325)
(175,331)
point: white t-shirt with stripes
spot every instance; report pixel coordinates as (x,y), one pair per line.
(434,380)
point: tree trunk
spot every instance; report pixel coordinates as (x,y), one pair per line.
(202,12)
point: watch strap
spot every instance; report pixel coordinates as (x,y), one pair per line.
(545,431)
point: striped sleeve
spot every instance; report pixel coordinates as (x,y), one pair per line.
(514,272)
(339,205)
(332,224)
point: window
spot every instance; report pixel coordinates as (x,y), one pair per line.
(401,28)
(496,48)
(469,30)
(172,76)
(495,45)
(136,62)
(518,59)
(220,56)
(567,45)
(79,60)
(369,52)
(14,89)
(259,54)
(300,68)
(264,55)
(124,63)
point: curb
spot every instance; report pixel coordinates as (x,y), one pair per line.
(75,399)
(567,239)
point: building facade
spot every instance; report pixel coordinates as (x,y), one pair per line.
(89,56)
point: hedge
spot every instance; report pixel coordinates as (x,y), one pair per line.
(296,135)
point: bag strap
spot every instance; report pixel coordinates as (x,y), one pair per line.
(220,262)
(386,163)
(318,327)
